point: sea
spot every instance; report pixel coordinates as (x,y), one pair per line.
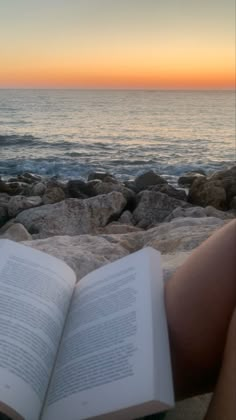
(70,133)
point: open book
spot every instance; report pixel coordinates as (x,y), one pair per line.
(98,348)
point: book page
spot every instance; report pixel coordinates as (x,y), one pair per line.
(35,293)
(106,360)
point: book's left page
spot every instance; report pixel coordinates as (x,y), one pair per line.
(35,294)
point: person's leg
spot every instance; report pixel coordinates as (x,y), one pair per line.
(200,299)
(223,403)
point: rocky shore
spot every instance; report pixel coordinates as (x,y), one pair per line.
(89,224)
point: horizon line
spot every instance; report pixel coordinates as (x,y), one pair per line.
(119,88)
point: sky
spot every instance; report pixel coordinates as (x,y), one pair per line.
(162,44)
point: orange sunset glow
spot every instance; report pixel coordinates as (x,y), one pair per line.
(102,44)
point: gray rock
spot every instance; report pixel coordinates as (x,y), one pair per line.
(186,212)
(145,180)
(19,203)
(131,185)
(197,211)
(72,216)
(126,218)
(153,207)
(117,228)
(182,234)
(107,187)
(38,189)
(80,189)
(169,190)
(16,232)
(53,195)
(213,212)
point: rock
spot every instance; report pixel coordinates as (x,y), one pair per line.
(4,187)
(53,195)
(213,212)
(16,232)
(204,192)
(197,211)
(103,176)
(3,215)
(117,228)
(153,207)
(233,203)
(107,187)
(186,212)
(72,216)
(126,218)
(13,188)
(169,190)
(131,185)
(4,200)
(228,179)
(19,203)
(142,182)
(187,179)
(175,240)
(38,189)
(83,253)
(216,190)
(80,189)
(29,178)
(182,234)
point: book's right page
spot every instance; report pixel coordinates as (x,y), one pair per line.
(114,356)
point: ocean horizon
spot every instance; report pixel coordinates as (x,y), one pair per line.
(71,132)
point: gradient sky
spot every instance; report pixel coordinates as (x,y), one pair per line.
(117,43)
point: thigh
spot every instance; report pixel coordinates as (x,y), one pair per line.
(200,299)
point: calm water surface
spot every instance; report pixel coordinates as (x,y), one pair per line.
(70,133)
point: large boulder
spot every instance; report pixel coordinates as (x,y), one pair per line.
(204,192)
(228,179)
(216,190)
(153,207)
(72,216)
(18,203)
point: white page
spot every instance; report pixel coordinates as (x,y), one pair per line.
(106,361)
(35,292)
